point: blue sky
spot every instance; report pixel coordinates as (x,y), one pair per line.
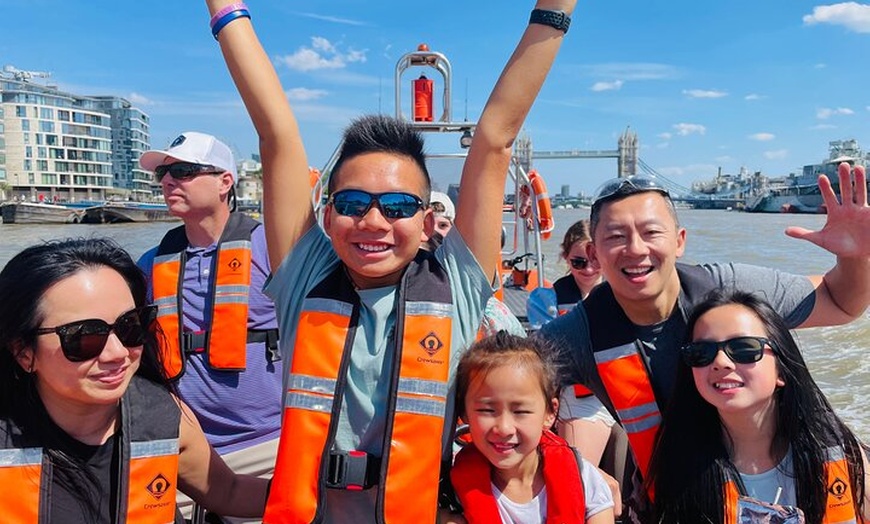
(761,84)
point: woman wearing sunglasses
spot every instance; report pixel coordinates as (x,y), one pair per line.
(546,304)
(748,434)
(89,430)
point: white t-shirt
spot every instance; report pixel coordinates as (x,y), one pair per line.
(597,493)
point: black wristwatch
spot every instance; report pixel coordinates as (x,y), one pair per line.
(555,19)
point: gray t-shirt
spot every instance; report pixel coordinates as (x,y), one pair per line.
(362,419)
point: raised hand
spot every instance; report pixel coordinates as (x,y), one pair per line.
(846,232)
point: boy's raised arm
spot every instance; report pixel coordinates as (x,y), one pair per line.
(287,209)
(479,210)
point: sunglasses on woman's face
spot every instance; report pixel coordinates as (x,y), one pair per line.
(741,350)
(356,203)
(579,262)
(85,339)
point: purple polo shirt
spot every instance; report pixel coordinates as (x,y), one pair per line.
(236,410)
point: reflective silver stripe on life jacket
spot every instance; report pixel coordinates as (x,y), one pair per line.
(313,384)
(416,386)
(20,457)
(296,399)
(430,309)
(167,258)
(612,354)
(154,448)
(420,406)
(327,305)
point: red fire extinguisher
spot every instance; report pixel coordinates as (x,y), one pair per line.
(423,99)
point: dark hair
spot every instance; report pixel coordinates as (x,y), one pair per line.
(382,134)
(689,482)
(578,232)
(23,282)
(624,192)
(502,349)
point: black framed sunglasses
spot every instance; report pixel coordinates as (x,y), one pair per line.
(85,339)
(579,262)
(356,203)
(185,170)
(625,186)
(741,350)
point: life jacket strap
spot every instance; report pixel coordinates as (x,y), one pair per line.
(353,470)
(194,341)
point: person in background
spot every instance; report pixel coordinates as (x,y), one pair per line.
(623,344)
(207,277)
(748,432)
(496,316)
(371,325)
(90,432)
(545,304)
(515,470)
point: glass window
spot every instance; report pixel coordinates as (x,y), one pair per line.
(46,113)
(46,127)
(20,111)
(25,125)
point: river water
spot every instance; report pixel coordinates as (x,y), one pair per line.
(835,355)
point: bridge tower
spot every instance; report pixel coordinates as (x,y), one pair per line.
(627,160)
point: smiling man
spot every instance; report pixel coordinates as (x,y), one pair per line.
(622,342)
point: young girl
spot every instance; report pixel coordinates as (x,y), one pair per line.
(748,434)
(517,471)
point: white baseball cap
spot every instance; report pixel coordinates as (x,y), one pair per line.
(193,147)
(449,210)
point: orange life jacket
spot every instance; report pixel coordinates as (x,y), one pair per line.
(407,475)
(149,466)
(225,339)
(566,501)
(839,507)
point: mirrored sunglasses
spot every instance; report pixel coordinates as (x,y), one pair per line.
(185,170)
(85,339)
(741,350)
(628,186)
(356,203)
(579,262)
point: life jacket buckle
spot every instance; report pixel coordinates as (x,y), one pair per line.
(353,470)
(193,341)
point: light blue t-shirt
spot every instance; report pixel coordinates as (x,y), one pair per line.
(362,418)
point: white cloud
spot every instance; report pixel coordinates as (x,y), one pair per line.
(688,172)
(753,96)
(851,15)
(665,135)
(334,19)
(684,129)
(827,112)
(607,86)
(139,100)
(823,127)
(820,66)
(322,54)
(762,137)
(723,159)
(777,154)
(303,94)
(704,93)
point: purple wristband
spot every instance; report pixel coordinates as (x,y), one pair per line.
(232,7)
(226,19)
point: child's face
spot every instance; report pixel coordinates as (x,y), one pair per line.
(735,389)
(507,412)
(376,249)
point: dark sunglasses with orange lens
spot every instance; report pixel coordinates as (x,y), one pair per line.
(85,339)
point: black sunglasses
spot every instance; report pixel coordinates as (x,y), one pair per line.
(741,350)
(185,170)
(579,262)
(356,203)
(85,339)
(625,186)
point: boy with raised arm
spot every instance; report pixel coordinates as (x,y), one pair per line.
(371,325)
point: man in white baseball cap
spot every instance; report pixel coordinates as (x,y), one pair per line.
(221,333)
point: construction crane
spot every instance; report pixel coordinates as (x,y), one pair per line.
(24,76)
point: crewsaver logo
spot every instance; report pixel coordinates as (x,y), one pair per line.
(838,488)
(159,486)
(431,343)
(235,264)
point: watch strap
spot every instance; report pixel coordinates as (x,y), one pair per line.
(556,19)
